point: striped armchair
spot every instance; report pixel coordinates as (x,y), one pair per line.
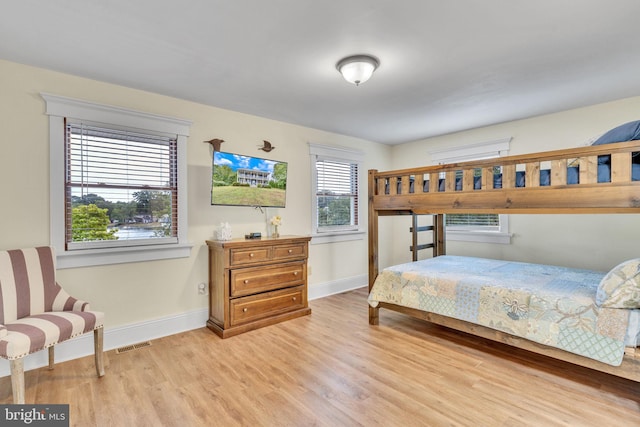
(36,313)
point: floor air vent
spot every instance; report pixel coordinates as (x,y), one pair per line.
(133,347)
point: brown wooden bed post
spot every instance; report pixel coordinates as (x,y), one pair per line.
(373,244)
(439,239)
(414,238)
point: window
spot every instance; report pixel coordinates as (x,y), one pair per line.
(335,190)
(490,228)
(119,187)
(118,184)
(489,222)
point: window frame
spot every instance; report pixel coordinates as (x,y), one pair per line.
(483,150)
(343,155)
(58,108)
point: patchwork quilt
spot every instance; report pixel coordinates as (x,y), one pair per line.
(550,305)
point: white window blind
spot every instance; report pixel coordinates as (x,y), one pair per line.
(486,221)
(121,187)
(336,194)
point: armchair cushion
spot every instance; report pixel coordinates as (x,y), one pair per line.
(40,331)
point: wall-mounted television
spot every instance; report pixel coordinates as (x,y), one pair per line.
(240,180)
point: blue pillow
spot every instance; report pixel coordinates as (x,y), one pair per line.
(626,132)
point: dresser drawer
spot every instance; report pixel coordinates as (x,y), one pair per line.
(249,256)
(289,252)
(251,280)
(256,307)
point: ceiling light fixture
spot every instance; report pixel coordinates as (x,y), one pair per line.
(357,69)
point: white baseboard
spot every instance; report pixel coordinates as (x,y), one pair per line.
(337,286)
(114,338)
(143,331)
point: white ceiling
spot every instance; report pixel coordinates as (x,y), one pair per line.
(445,65)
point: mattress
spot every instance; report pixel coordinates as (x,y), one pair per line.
(547,304)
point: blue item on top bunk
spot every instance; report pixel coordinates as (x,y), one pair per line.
(626,132)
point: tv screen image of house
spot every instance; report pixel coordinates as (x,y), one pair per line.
(240,180)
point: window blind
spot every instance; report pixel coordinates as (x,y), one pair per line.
(472,220)
(130,174)
(337,194)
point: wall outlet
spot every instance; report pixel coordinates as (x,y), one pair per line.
(203,289)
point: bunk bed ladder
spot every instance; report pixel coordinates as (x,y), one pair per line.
(438,240)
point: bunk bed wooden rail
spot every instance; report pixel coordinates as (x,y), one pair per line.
(403,192)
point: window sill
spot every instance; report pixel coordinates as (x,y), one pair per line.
(337,236)
(91,257)
(479,236)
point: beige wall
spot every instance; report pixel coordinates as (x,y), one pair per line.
(586,241)
(137,292)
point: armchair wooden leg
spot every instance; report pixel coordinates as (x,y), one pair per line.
(51,357)
(98,338)
(17,380)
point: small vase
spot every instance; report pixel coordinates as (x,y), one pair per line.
(275,232)
(224,232)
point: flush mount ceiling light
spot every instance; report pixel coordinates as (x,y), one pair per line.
(357,69)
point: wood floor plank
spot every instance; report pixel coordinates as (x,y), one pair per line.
(333,369)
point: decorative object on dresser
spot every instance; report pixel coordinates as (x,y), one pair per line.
(224,231)
(276,221)
(256,283)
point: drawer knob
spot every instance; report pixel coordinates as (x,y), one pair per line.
(244,310)
(290,251)
(251,255)
(294,298)
(246,281)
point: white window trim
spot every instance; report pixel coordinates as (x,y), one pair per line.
(478,151)
(482,150)
(482,236)
(59,107)
(340,154)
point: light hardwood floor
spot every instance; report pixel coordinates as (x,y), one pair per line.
(333,369)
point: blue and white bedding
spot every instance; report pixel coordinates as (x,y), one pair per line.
(550,305)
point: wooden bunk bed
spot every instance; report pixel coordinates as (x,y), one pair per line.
(509,185)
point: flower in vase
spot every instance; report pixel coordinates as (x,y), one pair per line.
(276,220)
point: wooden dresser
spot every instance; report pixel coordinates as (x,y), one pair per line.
(256,282)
